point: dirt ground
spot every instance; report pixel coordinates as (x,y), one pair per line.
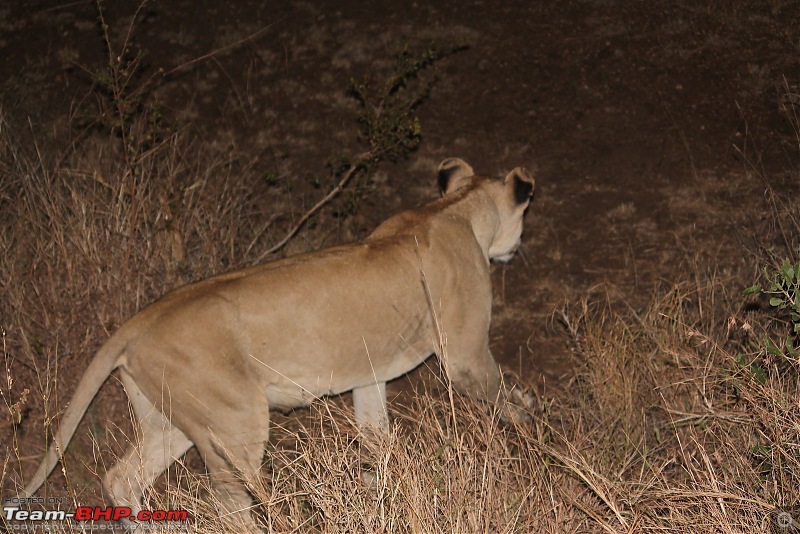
(642,121)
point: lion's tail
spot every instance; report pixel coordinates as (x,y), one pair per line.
(105,361)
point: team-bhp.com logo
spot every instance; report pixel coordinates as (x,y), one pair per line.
(785,520)
(94,513)
(15,515)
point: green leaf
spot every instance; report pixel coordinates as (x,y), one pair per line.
(771,348)
(762,450)
(752,290)
(787,269)
(791,349)
(775,302)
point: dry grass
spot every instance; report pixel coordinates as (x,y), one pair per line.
(675,420)
(89,238)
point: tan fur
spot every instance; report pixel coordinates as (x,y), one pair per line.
(203,365)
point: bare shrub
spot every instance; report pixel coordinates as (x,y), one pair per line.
(87,242)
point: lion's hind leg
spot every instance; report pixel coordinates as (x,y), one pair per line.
(158,444)
(233,450)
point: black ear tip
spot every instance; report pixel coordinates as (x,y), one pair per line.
(523,190)
(445,174)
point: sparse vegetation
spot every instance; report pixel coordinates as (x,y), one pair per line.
(389,122)
(679,414)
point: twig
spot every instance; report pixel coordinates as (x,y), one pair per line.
(220,50)
(348,174)
(260,233)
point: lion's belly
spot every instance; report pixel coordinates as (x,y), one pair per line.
(285,392)
(290,384)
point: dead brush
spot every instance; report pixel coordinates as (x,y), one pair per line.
(86,243)
(429,477)
(662,429)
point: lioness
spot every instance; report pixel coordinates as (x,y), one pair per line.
(204,364)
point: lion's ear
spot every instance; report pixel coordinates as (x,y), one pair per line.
(522,184)
(453,173)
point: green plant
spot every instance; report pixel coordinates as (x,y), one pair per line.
(388,118)
(783,289)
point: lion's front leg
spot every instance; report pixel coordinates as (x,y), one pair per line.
(369,403)
(471,372)
(476,373)
(519,402)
